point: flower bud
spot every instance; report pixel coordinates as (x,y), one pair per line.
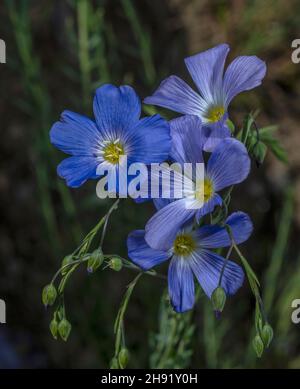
(64,329)
(115,264)
(96,259)
(66,261)
(54,327)
(267,334)
(258,345)
(114,363)
(49,295)
(218,299)
(123,358)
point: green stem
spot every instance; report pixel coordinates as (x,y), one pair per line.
(273,271)
(84,246)
(225,263)
(83,52)
(143,39)
(115,205)
(76,262)
(118,327)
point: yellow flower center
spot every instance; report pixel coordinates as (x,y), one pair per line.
(184,245)
(208,189)
(215,113)
(112,152)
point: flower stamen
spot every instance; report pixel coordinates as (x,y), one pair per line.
(214,114)
(207,188)
(184,245)
(112,151)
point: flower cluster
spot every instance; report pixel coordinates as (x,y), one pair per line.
(189,232)
(173,232)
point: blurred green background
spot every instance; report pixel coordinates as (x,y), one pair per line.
(58,52)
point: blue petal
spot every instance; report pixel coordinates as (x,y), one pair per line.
(187,139)
(229,164)
(116,109)
(162,228)
(206,69)
(207,267)
(181,285)
(150,140)
(244,73)
(209,206)
(214,236)
(143,255)
(216,133)
(77,169)
(161,203)
(75,134)
(175,94)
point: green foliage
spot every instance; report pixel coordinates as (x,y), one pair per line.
(119,324)
(259,140)
(143,39)
(172,346)
(267,138)
(38,103)
(278,254)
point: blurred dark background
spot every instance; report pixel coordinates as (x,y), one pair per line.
(58,52)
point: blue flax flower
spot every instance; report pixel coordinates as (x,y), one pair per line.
(116,131)
(228,164)
(216,88)
(190,254)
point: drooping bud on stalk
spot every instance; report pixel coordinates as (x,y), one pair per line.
(64,329)
(115,264)
(95,261)
(258,345)
(66,261)
(54,327)
(267,334)
(123,358)
(49,295)
(114,363)
(218,299)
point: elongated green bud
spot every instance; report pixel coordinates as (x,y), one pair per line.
(258,345)
(95,261)
(218,299)
(267,334)
(49,295)
(66,261)
(123,358)
(64,329)
(114,363)
(115,264)
(54,327)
